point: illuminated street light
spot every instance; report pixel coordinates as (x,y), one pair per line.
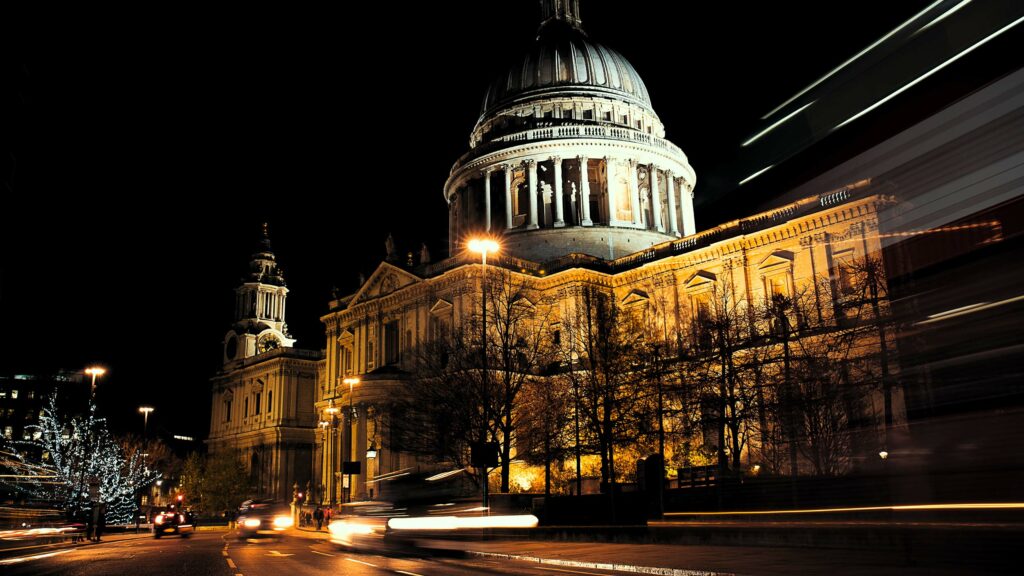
(484,246)
(94,371)
(883,455)
(145,418)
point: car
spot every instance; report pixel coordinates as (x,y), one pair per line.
(258,518)
(362,525)
(172,521)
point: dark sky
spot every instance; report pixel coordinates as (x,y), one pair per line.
(148,145)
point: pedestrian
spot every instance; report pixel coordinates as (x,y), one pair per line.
(318,515)
(89,523)
(101,519)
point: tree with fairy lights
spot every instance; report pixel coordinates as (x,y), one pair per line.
(65,455)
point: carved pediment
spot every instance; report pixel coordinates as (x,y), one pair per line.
(635,297)
(441,307)
(524,302)
(700,279)
(346,337)
(777,258)
(387,278)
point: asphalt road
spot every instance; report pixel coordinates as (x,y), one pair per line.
(220,554)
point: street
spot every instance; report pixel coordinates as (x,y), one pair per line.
(220,554)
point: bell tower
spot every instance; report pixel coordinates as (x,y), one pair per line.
(259,307)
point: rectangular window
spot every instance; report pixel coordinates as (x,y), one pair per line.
(270,400)
(625,119)
(227,409)
(258,403)
(608,116)
(588,114)
(31,394)
(14,394)
(8,432)
(567,113)
(391,347)
(245,408)
(548,113)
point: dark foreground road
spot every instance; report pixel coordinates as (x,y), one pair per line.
(220,554)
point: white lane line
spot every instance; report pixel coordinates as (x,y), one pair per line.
(33,557)
(361,562)
(231,564)
(409,573)
(224,552)
(321,553)
(571,571)
(598,565)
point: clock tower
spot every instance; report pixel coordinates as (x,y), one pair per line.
(259,308)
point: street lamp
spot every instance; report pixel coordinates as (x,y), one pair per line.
(331,455)
(94,371)
(351,381)
(145,418)
(484,246)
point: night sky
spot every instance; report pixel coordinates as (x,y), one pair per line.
(144,156)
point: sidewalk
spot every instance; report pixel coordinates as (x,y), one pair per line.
(26,547)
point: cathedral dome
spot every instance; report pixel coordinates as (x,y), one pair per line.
(564,61)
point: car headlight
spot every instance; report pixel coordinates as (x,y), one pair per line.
(251,523)
(282,522)
(159,519)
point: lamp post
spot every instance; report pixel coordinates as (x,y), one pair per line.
(333,412)
(145,418)
(93,371)
(351,381)
(484,246)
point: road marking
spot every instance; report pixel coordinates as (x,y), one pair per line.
(231,564)
(361,562)
(277,554)
(409,573)
(321,553)
(570,571)
(33,557)
(224,552)
(598,565)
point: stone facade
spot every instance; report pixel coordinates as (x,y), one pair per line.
(262,400)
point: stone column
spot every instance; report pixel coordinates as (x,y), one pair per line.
(689,225)
(556,162)
(656,199)
(487,198)
(585,191)
(531,166)
(611,192)
(360,454)
(673,222)
(508,195)
(634,183)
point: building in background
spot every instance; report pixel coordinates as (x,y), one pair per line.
(570,170)
(262,400)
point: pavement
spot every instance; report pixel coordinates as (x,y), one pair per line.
(9,548)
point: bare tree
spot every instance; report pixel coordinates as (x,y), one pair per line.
(613,351)
(451,402)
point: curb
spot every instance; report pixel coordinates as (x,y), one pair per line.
(599,565)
